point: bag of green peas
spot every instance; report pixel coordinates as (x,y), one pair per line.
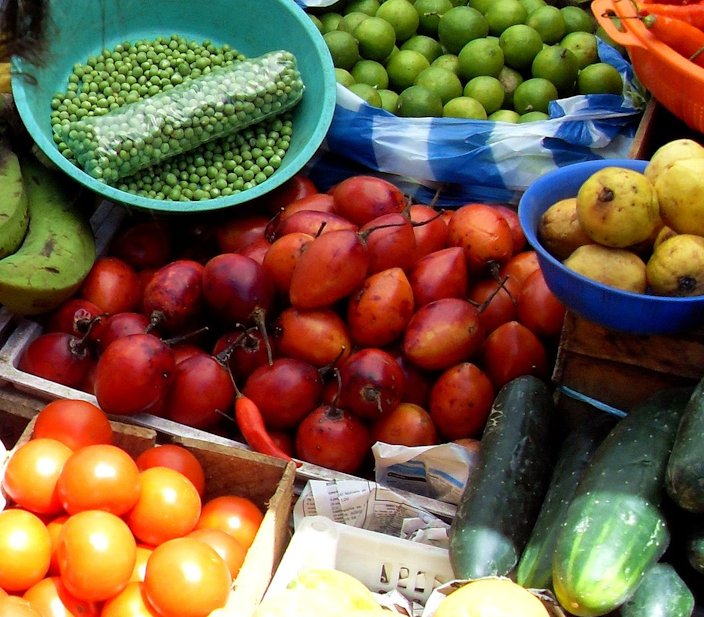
(227,99)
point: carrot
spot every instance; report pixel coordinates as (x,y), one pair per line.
(684,38)
(693,14)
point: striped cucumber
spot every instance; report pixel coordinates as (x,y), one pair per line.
(614,528)
(684,479)
(662,593)
(498,508)
(535,566)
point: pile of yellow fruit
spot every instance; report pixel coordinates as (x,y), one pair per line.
(641,232)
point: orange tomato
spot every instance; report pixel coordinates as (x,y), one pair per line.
(186,578)
(238,516)
(51,598)
(96,552)
(54,526)
(25,547)
(176,457)
(225,545)
(130,602)
(168,506)
(14,606)
(73,422)
(140,562)
(32,474)
(99,477)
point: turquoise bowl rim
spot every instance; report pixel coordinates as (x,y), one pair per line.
(294,162)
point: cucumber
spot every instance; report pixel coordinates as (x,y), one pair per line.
(535,565)
(614,528)
(662,593)
(498,507)
(684,479)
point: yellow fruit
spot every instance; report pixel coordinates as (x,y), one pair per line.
(618,207)
(610,266)
(559,229)
(676,267)
(662,235)
(672,151)
(491,597)
(680,191)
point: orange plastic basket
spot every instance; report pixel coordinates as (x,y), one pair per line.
(672,80)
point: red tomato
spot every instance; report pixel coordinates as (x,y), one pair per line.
(237,515)
(538,307)
(32,474)
(51,598)
(99,477)
(519,267)
(511,216)
(73,422)
(496,302)
(225,545)
(14,606)
(113,285)
(130,602)
(408,425)
(168,506)
(73,316)
(186,578)
(25,547)
(513,350)
(296,187)
(144,244)
(176,457)
(96,552)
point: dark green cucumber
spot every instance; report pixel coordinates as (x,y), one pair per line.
(694,545)
(661,593)
(614,529)
(498,507)
(535,565)
(684,480)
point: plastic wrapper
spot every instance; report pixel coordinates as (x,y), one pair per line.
(137,135)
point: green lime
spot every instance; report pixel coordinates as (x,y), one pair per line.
(480,5)
(317,23)
(330,21)
(389,100)
(350,21)
(441,81)
(583,45)
(509,78)
(599,78)
(533,116)
(577,19)
(424,44)
(520,44)
(505,115)
(429,13)
(531,5)
(464,107)
(366,92)
(370,7)
(448,61)
(402,16)
(504,13)
(376,38)
(419,102)
(370,72)
(534,94)
(558,65)
(480,57)
(343,47)
(549,23)
(460,25)
(487,90)
(403,68)
(343,76)
(606,37)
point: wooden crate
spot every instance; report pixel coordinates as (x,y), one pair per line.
(265,480)
(622,370)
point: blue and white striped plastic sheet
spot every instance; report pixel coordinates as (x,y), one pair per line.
(456,161)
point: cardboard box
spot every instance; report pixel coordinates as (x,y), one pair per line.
(265,480)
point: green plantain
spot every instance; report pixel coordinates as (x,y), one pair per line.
(58,249)
(14,214)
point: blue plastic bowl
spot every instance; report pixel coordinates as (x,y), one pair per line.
(607,306)
(80,28)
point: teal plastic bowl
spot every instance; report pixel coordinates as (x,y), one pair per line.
(607,306)
(79,29)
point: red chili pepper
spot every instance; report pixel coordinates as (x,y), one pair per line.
(684,38)
(691,13)
(251,424)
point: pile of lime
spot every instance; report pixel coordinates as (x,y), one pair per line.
(499,60)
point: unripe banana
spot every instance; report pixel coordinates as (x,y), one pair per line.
(58,249)
(14,213)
